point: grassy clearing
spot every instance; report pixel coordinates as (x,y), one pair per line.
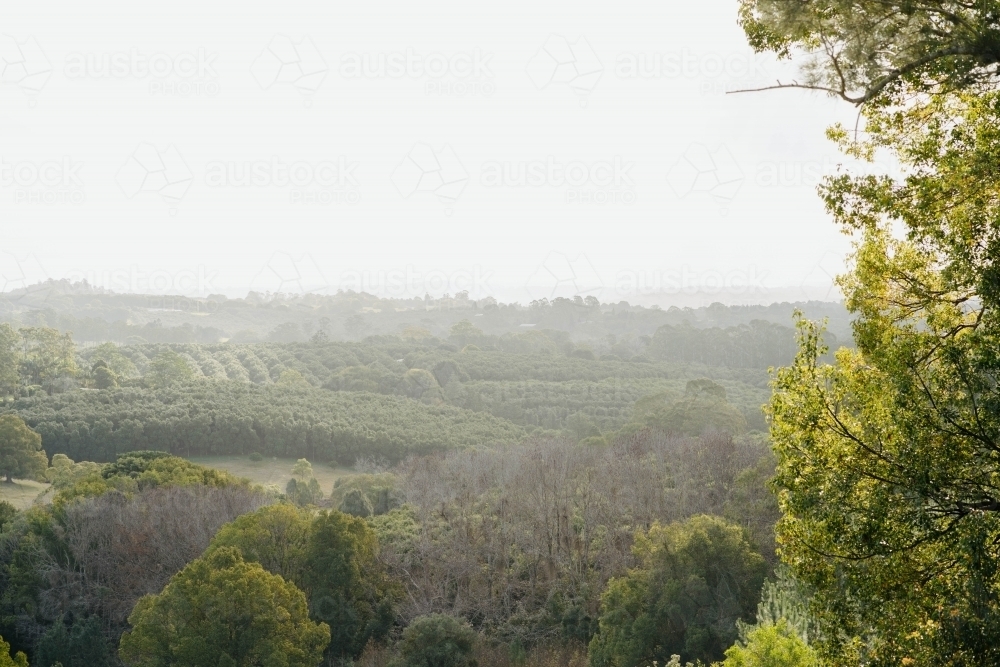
(271,470)
(22,492)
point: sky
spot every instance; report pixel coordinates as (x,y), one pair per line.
(521,150)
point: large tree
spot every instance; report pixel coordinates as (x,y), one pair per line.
(332,557)
(889,460)
(21,453)
(695,581)
(877,50)
(221,610)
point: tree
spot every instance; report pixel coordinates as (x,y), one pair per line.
(167,368)
(78,644)
(302,469)
(21,452)
(771,646)
(332,557)
(105,378)
(356,503)
(222,610)
(46,356)
(880,50)
(702,408)
(346,586)
(887,460)
(695,581)
(437,640)
(292,378)
(19,660)
(10,377)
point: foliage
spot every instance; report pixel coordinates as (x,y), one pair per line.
(105,378)
(78,644)
(695,581)
(222,610)
(19,660)
(437,640)
(888,459)
(46,356)
(374,493)
(332,557)
(702,408)
(874,50)
(64,472)
(211,418)
(785,600)
(356,503)
(7,514)
(10,378)
(167,368)
(21,452)
(522,540)
(771,645)
(302,469)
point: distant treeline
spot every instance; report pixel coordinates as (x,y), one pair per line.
(96,315)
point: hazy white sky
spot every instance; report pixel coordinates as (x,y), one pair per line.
(522,149)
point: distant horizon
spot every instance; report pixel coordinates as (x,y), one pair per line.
(504,294)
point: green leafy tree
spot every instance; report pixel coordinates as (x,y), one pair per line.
(168,368)
(464,333)
(112,356)
(332,557)
(887,459)
(105,378)
(356,503)
(345,584)
(21,453)
(79,644)
(695,581)
(437,640)
(46,356)
(873,50)
(702,408)
(7,514)
(222,610)
(771,645)
(302,469)
(10,357)
(293,379)
(19,660)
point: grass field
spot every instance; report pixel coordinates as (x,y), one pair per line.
(271,470)
(21,493)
